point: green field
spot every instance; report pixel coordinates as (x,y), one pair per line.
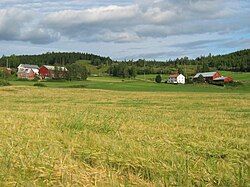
(113,132)
(140,84)
(237,76)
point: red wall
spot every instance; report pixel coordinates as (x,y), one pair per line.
(216,75)
(44,72)
(228,79)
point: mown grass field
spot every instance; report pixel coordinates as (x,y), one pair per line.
(110,132)
(55,136)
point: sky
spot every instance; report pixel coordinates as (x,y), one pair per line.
(125,29)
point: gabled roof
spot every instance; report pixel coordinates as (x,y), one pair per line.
(28,66)
(52,68)
(173,75)
(205,74)
(27,70)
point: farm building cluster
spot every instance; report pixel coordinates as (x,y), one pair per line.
(30,72)
(209,77)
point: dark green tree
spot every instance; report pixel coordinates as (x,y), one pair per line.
(57,72)
(200,79)
(77,72)
(205,67)
(132,72)
(158,78)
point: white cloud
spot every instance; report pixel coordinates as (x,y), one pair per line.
(17,24)
(117,20)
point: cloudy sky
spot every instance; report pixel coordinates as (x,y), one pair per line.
(125,29)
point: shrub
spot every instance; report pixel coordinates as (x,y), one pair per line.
(158,78)
(77,86)
(234,84)
(40,85)
(200,79)
(54,80)
(4,83)
(189,80)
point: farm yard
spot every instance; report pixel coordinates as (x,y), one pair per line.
(105,134)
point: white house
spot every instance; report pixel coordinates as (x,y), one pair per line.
(26,67)
(176,79)
(27,71)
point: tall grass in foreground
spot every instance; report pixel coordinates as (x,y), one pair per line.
(105,138)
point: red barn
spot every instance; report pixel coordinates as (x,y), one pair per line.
(208,76)
(50,71)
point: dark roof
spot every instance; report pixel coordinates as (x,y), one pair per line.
(205,74)
(173,75)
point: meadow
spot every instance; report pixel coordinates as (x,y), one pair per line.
(65,136)
(146,84)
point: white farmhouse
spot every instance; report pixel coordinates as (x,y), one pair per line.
(27,71)
(176,79)
(23,67)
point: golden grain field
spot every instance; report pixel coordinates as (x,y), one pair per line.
(80,137)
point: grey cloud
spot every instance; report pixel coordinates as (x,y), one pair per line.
(17,25)
(11,21)
(40,36)
(123,22)
(243,42)
(197,44)
(157,55)
(144,19)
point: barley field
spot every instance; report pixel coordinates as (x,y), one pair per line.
(83,137)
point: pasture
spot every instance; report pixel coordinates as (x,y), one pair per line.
(144,84)
(181,136)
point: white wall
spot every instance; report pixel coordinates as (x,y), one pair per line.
(181,79)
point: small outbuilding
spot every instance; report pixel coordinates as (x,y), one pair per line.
(223,79)
(176,79)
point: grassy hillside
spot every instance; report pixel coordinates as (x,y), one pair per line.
(94,70)
(76,137)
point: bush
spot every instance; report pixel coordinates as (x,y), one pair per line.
(158,78)
(4,83)
(40,85)
(77,86)
(200,79)
(234,84)
(76,72)
(189,80)
(54,80)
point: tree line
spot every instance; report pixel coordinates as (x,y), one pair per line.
(237,61)
(53,58)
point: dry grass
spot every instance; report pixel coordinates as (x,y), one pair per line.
(78,137)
